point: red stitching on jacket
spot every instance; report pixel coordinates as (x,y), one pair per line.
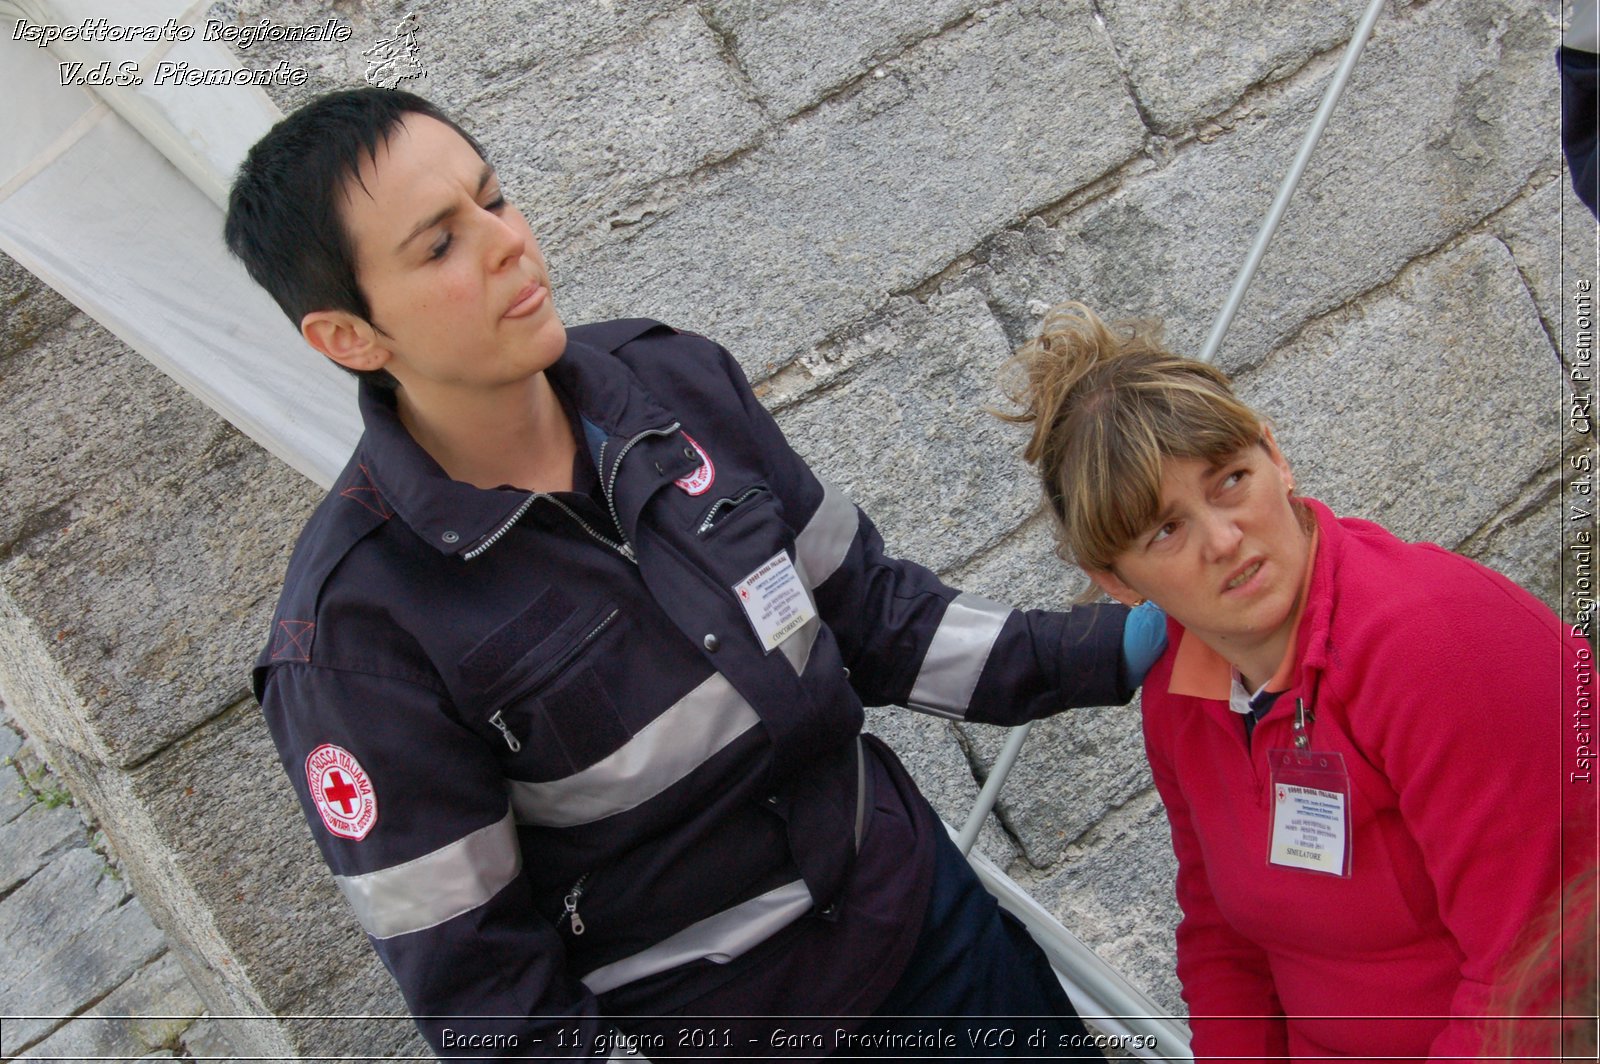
(294,641)
(357,491)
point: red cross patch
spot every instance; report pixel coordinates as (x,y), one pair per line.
(342,792)
(698,482)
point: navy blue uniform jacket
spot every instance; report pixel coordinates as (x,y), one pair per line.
(545,754)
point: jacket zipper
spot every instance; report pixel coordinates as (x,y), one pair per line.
(730,503)
(611,482)
(624,548)
(569,906)
(499,721)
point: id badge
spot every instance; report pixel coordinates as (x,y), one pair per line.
(1310,811)
(775,600)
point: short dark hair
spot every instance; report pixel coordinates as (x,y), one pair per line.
(284,221)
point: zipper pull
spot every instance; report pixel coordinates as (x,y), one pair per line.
(511,740)
(570,905)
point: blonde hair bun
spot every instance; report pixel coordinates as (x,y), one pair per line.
(1108,403)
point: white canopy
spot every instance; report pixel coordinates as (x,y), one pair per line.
(114,195)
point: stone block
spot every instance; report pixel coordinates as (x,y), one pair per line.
(1525,542)
(10,741)
(1023,570)
(874,191)
(207,1040)
(30,306)
(29,840)
(776,41)
(153,579)
(1551,236)
(1076,768)
(905,433)
(1429,139)
(577,140)
(583,107)
(1188,61)
(1115,890)
(148,1014)
(1382,406)
(72,941)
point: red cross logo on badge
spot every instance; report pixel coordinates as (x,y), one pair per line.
(1283,795)
(698,482)
(342,792)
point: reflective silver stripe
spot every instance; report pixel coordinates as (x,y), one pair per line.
(437,886)
(718,938)
(823,543)
(957,654)
(667,749)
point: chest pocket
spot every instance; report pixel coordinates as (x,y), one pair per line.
(537,691)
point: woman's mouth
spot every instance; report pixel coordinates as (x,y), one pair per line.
(528,300)
(1243,576)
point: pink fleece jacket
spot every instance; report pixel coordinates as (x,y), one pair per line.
(1448,690)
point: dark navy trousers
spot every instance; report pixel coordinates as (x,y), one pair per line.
(977,986)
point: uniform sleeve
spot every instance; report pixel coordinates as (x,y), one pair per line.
(906,637)
(1223,973)
(1470,738)
(1580,125)
(411,813)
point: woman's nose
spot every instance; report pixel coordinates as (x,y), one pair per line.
(1220,536)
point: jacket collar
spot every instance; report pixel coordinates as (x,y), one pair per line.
(454,516)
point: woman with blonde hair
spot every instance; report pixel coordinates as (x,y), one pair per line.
(1358,740)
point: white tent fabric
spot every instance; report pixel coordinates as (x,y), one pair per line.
(114,195)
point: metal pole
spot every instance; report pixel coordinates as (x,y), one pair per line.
(1089,976)
(1008,756)
(1269,225)
(991,788)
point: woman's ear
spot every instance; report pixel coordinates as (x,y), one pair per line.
(1112,584)
(1270,442)
(347,338)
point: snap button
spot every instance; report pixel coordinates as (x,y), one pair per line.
(846,671)
(450,537)
(772,799)
(660,468)
(830,910)
(690,452)
(711,642)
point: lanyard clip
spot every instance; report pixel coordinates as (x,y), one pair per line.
(1301,716)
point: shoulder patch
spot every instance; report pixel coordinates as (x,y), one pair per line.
(342,792)
(700,481)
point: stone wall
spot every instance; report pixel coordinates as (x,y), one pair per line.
(870,203)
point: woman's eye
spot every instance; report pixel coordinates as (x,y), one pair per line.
(1163,532)
(1234,478)
(440,246)
(496,205)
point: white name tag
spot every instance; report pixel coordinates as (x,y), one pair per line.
(1308,828)
(775,600)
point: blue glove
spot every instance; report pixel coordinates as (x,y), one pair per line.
(1144,637)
